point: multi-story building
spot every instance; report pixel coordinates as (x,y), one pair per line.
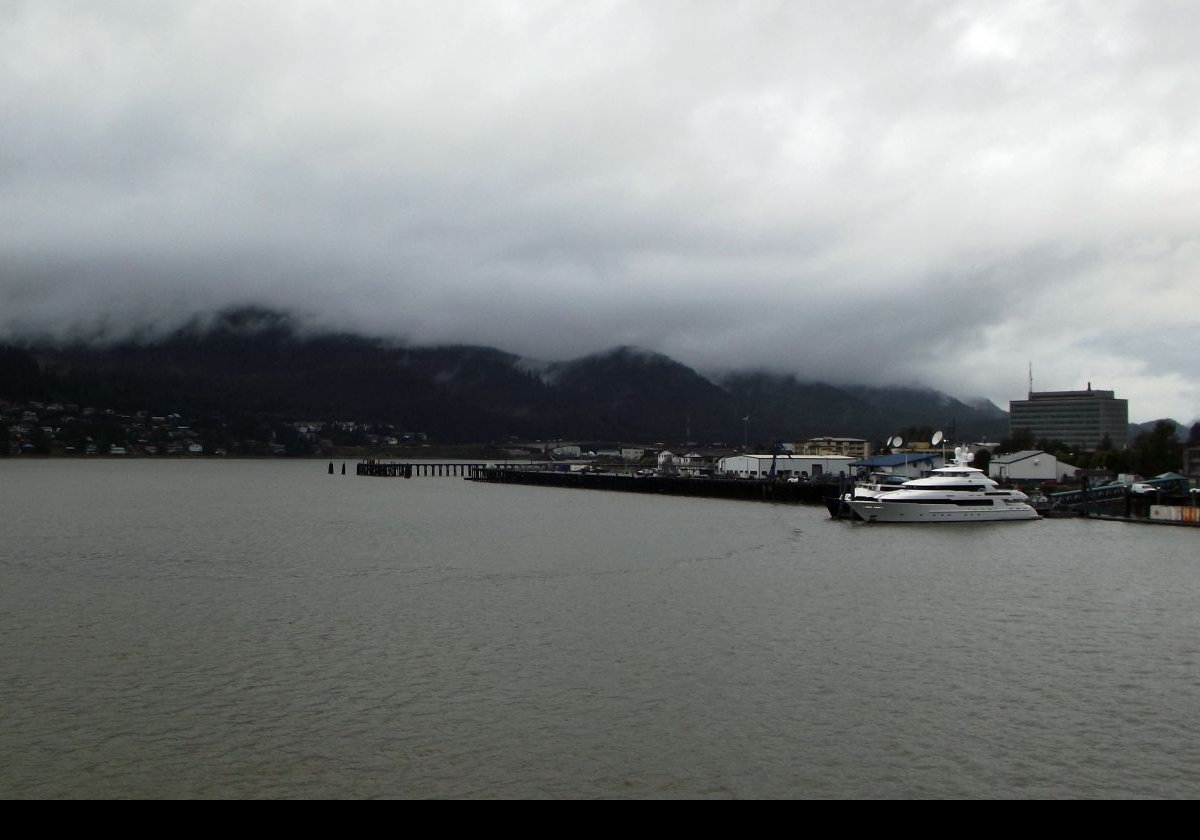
(1081,419)
(1191,461)
(851,447)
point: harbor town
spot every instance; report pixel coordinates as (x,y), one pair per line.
(1153,476)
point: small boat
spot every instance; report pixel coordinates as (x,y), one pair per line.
(956,493)
(876,485)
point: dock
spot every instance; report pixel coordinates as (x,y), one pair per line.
(1118,504)
(1102,504)
(755,490)
(413,469)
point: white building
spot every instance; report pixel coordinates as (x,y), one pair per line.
(786,466)
(1030,465)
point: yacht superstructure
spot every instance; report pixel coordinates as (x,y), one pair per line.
(955,493)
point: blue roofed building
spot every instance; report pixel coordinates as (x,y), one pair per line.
(902,464)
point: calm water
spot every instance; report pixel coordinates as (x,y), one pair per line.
(262,629)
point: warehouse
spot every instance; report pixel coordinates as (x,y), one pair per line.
(1030,465)
(786,466)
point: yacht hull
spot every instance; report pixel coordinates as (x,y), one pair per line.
(876,511)
(839,507)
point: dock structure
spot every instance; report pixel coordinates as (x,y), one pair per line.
(717,488)
(398,469)
(1117,503)
(1108,500)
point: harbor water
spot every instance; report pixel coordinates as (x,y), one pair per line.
(261,629)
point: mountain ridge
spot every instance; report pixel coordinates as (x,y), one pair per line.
(253,361)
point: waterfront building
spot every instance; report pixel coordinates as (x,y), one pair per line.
(1030,465)
(1191,462)
(1080,419)
(786,466)
(852,447)
(901,465)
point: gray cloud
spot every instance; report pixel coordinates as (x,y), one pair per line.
(875,192)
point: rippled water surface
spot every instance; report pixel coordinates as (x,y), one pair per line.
(262,629)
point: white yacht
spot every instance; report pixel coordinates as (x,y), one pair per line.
(957,493)
(873,487)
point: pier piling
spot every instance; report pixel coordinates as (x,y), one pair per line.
(393,469)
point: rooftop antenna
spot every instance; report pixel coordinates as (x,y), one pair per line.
(898,443)
(1031,379)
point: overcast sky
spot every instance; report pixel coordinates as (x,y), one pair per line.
(908,192)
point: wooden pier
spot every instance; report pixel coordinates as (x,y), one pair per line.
(715,488)
(1117,502)
(1108,503)
(397,469)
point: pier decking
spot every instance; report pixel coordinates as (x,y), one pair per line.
(717,488)
(1108,504)
(398,469)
